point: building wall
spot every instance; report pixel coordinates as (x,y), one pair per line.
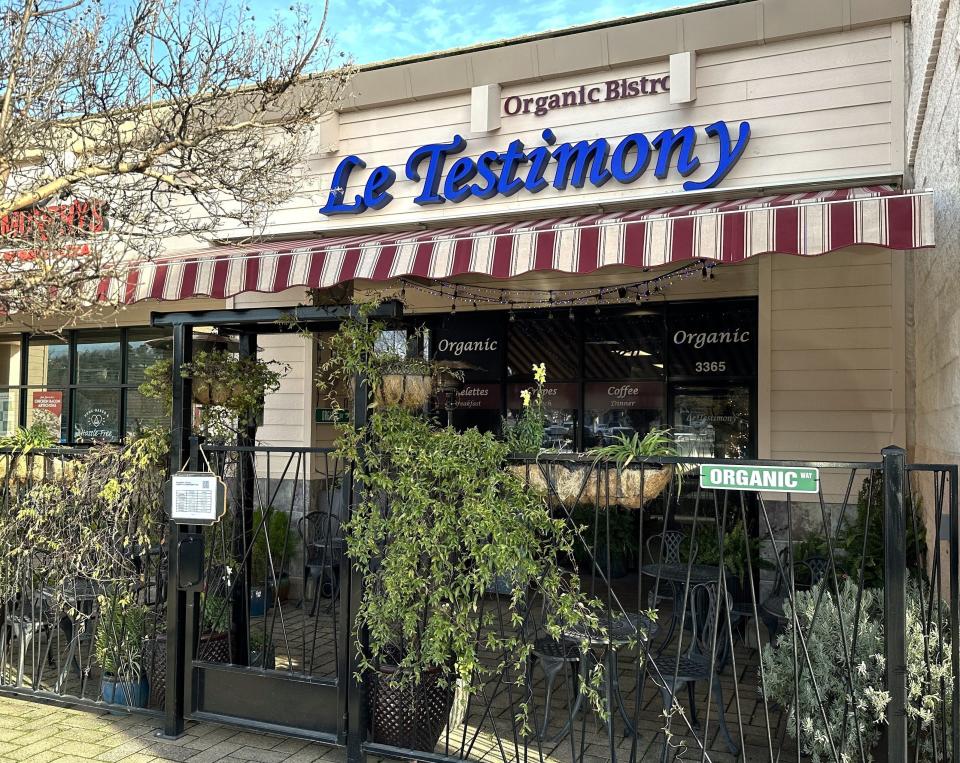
(824,107)
(935,320)
(833,361)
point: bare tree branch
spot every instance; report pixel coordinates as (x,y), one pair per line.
(163,117)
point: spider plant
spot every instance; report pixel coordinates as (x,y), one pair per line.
(627,448)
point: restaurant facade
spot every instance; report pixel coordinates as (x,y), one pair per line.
(697,220)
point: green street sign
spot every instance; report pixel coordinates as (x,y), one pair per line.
(777,479)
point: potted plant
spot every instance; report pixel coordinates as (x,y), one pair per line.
(23,462)
(273,541)
(602,530)
(263,652)
(437,519)
(214,643)
(394,375)
(840,700)
(227,387)
(118,644)
(524,437)
(635,480)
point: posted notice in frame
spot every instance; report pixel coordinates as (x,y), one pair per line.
(197,498)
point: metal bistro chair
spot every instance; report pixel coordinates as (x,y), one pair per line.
(554,656)
(702,660)
(773,608)
(324,549)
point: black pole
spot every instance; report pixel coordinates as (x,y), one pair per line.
(180,424)
(356,696)
(895,599)
(954,557)
(243,529)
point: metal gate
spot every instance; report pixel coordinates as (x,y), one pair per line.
(269,616)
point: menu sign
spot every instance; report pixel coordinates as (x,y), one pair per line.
(476,397)
(51,402)
(709,342)
(472,346)
(556,397)
(632,395)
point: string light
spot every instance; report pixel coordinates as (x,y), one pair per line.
(529,298)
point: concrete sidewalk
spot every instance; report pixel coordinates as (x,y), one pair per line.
(44,733)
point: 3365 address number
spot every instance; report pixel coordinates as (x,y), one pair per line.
(713,366)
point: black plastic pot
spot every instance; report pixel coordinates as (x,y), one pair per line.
(412,718)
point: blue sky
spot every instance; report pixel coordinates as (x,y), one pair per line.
(375,30)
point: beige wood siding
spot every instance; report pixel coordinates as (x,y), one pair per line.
(287,415)
(821,108)
(835,356)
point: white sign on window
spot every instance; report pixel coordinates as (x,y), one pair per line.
(197,498)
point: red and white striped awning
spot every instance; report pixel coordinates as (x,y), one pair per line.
(723,231)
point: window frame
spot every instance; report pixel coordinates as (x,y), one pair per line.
(123,387)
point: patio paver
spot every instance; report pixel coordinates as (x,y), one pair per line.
(38,733)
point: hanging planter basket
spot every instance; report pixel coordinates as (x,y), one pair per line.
(411,717)
(212,393)
(586,485)
(411,391)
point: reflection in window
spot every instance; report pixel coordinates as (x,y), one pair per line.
(98,357)
(48,362)
(9,410)
(625,345)
(617,408)
(560,406)
(10,362)
(712,423)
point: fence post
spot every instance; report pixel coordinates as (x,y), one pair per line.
(174,701)
(895,598)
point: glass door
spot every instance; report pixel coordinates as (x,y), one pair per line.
(713,422)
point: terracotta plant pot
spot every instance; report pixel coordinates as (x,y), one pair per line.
(583,485)
(406,390)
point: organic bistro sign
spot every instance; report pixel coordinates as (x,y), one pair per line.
(561,165)
(777,479)
(585,95)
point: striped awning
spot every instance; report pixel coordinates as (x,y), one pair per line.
(805,224)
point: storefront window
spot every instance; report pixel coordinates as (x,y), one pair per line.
(83,386)
(624,345)
(542,339)
(712,423)
(10,356)
(561,405)
(617,408)
(686,366)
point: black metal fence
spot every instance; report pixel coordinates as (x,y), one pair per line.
(82,578)
(735,624)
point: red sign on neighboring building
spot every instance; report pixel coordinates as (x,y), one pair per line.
(78,218)
(50,401)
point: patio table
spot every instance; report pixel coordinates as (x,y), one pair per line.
(614,633)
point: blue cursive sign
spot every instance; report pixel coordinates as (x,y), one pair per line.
(561,165)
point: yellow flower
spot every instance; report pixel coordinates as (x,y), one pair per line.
(540,373)
(525,394)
